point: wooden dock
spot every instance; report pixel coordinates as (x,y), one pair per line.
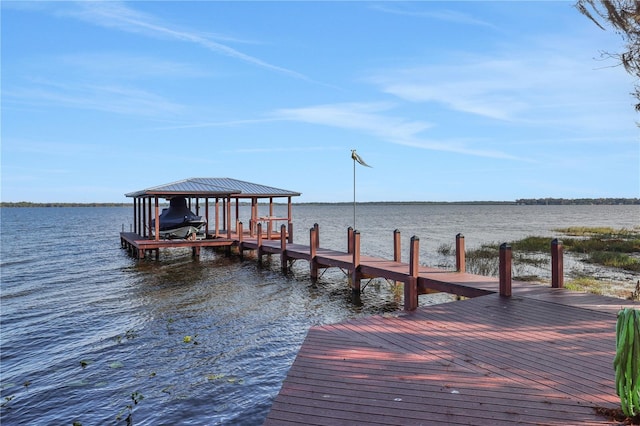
(542,356)
(514,353)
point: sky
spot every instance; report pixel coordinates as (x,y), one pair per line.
(447,101)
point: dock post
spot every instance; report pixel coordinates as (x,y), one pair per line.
(284,259)
(460,254)
(240,243)
(290,233)
(317,228)
(355,267)
(313,264)
(505,270)
(259,241)
(350,240)
(411,285)
(397,251)
(557,267)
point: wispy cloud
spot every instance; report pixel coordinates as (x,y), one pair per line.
(445,15)
(117,15)
(537,87)
(109,98)
(372,119)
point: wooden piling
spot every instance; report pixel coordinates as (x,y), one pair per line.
(356,276)
(397,251)
(284,260)
(240,238)
(259,240)
(313,262)
(461,264)
(349,240)
(290,232)
(557,264)
(505,270)
(411,285)
(317,228)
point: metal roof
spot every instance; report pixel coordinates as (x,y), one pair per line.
(213,187)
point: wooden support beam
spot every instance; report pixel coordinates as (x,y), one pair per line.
(149,215)
(557,264)
(411,286)
(157,223)
(461,263)
(313,262)
(505,270)
(356,276)
(290,232)
(228,214)
(349,240)
(284,259)
(240,243)
(397,250)
(259,240)
(317,228)
(206,216)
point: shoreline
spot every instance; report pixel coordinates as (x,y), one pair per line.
(519,202)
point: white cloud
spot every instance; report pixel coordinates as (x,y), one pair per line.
(445,15)
(371,119)
(117,15)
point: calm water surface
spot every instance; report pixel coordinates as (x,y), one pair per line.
(84,327)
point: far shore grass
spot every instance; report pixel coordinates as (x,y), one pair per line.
(616,249)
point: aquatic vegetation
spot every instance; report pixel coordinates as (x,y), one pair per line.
(136,397)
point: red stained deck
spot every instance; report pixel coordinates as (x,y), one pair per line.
(542,356)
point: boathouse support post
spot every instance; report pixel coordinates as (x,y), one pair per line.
(505,270)
(356,276)
(290,224)
(284,259)
(350,240)
(557,264)
(461,264)
(228,221)
(259,240)
(313,262)
(240,243)
(397,250)
(411,285)
(149,215)
(157,223)
(206,215)
(144,217)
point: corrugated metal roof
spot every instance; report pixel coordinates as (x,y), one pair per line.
(213,187)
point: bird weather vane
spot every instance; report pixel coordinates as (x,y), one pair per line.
(356,159)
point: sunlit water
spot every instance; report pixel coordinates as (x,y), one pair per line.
(84,327)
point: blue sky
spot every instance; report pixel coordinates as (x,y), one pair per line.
(448,101)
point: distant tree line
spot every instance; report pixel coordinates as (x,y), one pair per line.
(30,204)
(577,201)
(522,201)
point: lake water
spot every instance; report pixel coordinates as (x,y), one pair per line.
(85,328)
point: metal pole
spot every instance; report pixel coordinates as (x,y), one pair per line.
(354,194)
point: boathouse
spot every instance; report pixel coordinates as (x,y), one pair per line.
(218,200)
